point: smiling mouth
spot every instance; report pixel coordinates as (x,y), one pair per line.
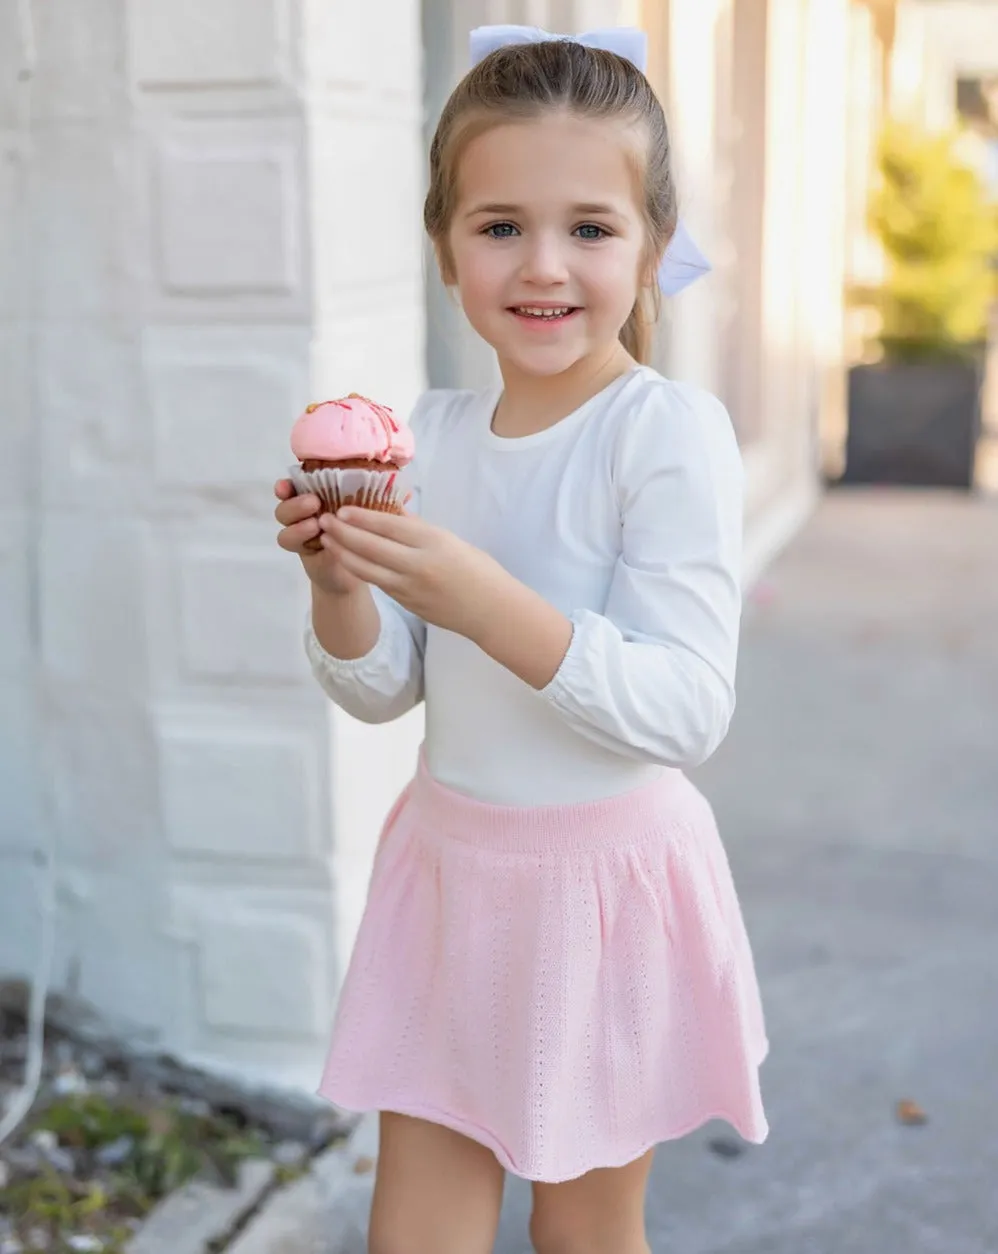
(543,313)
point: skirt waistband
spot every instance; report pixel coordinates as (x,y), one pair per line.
(624,819)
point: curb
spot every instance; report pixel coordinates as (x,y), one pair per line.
(326,1211)
(199,1216)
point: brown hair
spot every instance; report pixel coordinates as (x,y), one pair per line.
(522,82)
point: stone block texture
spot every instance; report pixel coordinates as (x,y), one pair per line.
(189,253)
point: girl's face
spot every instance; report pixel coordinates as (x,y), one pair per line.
(547,239)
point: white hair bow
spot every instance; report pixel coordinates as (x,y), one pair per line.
(682,262)
(626,41)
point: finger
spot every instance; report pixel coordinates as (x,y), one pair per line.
(402,528)
(295,538)
(297,508)
(375,548)
(371,572)
(284,489)
(329,545)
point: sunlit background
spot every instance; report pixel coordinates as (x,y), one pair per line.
(209,216)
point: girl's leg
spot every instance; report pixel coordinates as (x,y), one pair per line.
(600,1213)
(436,1192)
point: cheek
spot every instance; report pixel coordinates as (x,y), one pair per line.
(481,274)
(613,279)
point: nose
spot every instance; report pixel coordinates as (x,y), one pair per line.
(544,261)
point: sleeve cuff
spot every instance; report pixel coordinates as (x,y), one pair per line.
(340,667)
(566,678)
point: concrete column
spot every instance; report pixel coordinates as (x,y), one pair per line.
(223,225)
(755,95)
(22,818)
(688,88)
(364,127)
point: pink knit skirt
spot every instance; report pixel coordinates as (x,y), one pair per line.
(568,985)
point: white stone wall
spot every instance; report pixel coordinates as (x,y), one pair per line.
(365,137)
(218,222)
(20,797)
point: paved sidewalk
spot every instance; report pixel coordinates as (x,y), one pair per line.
(858,798)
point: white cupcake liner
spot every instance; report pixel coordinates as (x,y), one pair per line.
(370,489)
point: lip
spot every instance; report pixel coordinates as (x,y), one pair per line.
(534,323)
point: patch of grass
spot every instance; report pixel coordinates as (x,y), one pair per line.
(61,1207)
(87,1122)
(164,1146)
(286,1174)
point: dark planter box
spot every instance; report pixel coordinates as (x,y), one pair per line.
(914,423)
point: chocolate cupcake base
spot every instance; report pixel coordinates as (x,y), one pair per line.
(352,463)
(340,485)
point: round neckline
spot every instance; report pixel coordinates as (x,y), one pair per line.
(514,443)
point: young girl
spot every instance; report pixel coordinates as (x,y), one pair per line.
(552,974)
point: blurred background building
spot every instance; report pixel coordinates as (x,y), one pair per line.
(209,215)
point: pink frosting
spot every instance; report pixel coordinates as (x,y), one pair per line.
(352,427)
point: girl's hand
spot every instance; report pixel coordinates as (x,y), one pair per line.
(300,533)
(428,570)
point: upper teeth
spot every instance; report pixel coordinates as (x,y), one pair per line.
(534,312)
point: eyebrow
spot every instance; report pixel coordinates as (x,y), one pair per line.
(603,209)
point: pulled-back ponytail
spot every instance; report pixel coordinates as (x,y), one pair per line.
(636,333)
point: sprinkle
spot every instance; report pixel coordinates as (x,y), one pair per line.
(382,411)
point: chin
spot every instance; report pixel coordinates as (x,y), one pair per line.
(543,364)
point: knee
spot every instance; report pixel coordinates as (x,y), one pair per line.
(391,1239)
(560,1234)
(546,1237)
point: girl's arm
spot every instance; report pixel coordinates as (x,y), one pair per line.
(366,653)
(653,676)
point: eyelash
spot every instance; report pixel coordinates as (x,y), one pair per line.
(589,239)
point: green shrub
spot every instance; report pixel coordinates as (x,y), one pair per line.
(939,233)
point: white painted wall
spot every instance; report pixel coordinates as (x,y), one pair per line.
(936,42)
(771,79)
(195,240)
(20,794)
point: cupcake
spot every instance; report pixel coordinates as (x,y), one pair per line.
(351,452)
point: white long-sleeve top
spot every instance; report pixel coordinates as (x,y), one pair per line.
(627,516)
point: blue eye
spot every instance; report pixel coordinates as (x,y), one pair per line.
(590,231)
(501,230)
